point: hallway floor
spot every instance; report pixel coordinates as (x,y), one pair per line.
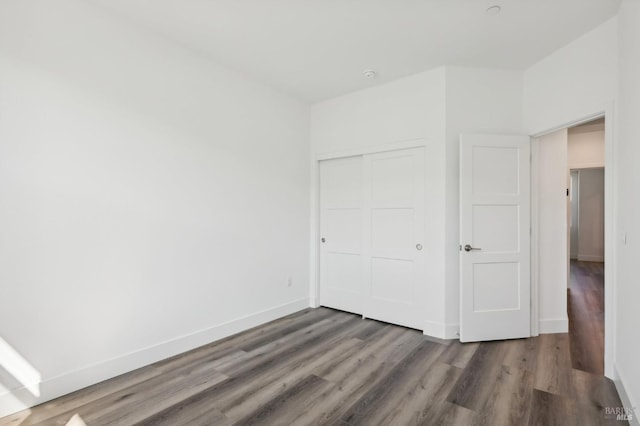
(586,316)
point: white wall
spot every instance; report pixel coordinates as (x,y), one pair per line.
(150,201)
(575,82)
(586,147)
(628,204)
(550,152)
(479,100)
(409,109)
(591,221)
(406,109)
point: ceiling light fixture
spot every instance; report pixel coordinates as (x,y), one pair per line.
(370,73)
(493,10)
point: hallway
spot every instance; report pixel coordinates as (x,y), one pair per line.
(586,316)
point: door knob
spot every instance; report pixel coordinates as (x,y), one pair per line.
(469,248)
(322,239)
(419,246)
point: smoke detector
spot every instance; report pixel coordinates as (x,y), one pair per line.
(370,73)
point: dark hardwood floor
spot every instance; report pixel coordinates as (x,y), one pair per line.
(586,316)
(321,366)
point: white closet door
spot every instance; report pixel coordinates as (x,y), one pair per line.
(341,220)
(394,259)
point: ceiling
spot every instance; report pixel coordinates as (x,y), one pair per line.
(318,49)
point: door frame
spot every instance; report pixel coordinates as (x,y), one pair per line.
(610,226)
(314,255)
(575,194)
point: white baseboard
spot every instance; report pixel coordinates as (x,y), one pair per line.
(441,330)
(626,399)
(434,329)
(552,326)
(54,387)
(590,258)
(452,331)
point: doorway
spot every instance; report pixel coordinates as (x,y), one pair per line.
(585,294)
(568,271)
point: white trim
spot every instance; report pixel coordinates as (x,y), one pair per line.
(577,122)
(625,397)
(552,326)
(452,331)
(610,232)
(393,146)
(314,244)
(16,400)
(535,225)
(590,258)
(441,330)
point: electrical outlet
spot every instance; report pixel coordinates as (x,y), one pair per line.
(289,282)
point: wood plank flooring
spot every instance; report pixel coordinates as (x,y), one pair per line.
(325,367)
(585,302)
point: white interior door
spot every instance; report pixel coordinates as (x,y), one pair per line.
(341,221)
(394,274)
(494,237)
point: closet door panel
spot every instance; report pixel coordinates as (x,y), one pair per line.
(394,232)
(341,215)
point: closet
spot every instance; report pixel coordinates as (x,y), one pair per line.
(372,229)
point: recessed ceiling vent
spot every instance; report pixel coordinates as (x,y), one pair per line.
(494,10)
(370,73)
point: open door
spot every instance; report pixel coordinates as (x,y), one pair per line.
(494,237)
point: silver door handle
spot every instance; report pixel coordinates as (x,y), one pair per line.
(418,246)
(469,248)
